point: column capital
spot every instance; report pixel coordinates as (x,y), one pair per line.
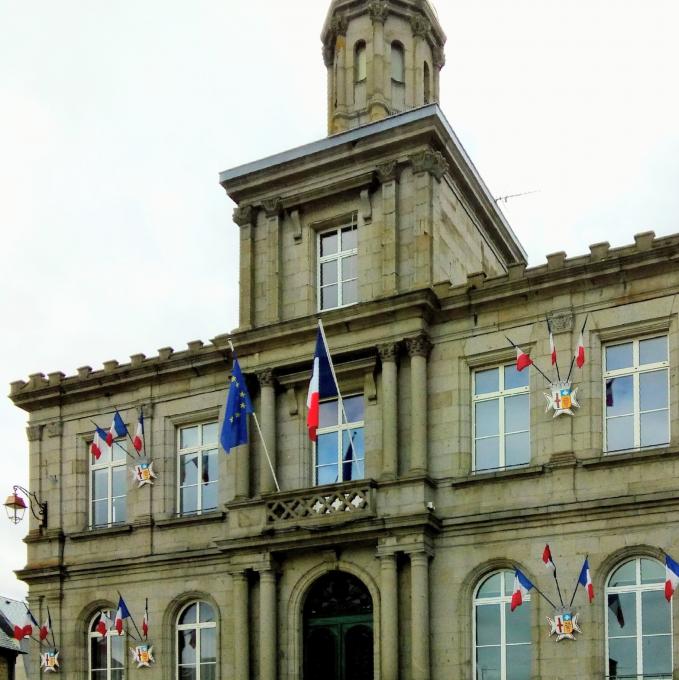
(266,378)
(389,351)
(430,161)
(328,51)
(379,11)
(272,206)
(55,428)
(419,346)
(439,58)
(420,25)
(34,433)
(388,171)
(243,215)
(339,25)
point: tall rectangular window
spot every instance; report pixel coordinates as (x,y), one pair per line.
(338,266)
(340,449)
(108,486)
(198,461)
(501,418)
(636,394)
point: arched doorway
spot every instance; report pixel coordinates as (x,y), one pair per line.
(338,629)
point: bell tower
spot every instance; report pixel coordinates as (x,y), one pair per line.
(383,57)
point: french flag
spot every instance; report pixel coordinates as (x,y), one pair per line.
(521,587)
(118,429)
(552,348)
(25,627)
(580,353)
(46,627)
(121,614)
(138,441)
(104,624)
(98,443)
(585,580)
(671,577)
(547,559)
(145,621)
(523,360)
(322,385)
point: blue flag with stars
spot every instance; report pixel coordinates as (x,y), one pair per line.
(238,405)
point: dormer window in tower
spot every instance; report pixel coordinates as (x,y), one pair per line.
(398,76)
(338,265)
(360,73)
(427,84)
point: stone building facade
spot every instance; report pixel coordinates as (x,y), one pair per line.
(396,561)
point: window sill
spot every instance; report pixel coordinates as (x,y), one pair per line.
(631,457)
(498,475)
(182,520)
(101,532)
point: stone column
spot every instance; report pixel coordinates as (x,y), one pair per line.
(267,384)
(379,11)
(241,637)
(268,622)
(244,217)
(272,275)
(421,27)
(329,61)
(339,29)
(388,175)
(389,356)
(419,570)
(418,351)
(439,57)
(389,618)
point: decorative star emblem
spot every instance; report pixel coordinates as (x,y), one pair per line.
(49,661)
(143,655)
(564,625)
(143,472)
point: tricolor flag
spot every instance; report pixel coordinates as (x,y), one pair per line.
(145,621)
(521,587)
(46,627)
(121,614)
(547,559)
(585,580)
(25,627)
(118,429)
(138,441)
(98,443)
(580,352)
(522,359)
(322,385)
(552,348)
(671,577)
(104,624)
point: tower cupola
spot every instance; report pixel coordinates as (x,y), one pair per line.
(383,57)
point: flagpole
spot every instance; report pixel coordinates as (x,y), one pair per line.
(261,435)
(146,617)
(558,589)
(49,619)
(127,429)
(556,359)
(339,394)
(582,330)
(532,362)
(115,442)
(543,595)
(132,619)
(577,583)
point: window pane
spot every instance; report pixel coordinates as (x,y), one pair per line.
(518,623)
(620,433)
(208,672)
(514,378)
(118,509)
(328,243)
(99,675)
(490,587)
(208,645)
(487,453)
(487,421)
(210,433)
(619,397)
(488,624)
(99,484)
(328,272)
(619,356)
(209,499)
(188,469)
(187,646)
(117,652)
(329,297)
(652,571)
(509,582)
(328,414)
(652,351)
(516,413)
(349,292)
(353,406)
(349,238)
(189,615)
(625,575)
(210,467)
(655,613)
(349,267)
(622,615)
(186,673)
(188,499)
(488,663)
(98,652)
(118,450)
(118,674)
(622,657)
(517,449)
(654,428)
(518,661)
(397,62)
(657,655)
(487,381)
(353,470)
(326,448)
(188,437)
(326,474)
(100,513)
(206,614)
(653,390)
(351,453)
(119,481)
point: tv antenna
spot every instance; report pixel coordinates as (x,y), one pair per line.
(504,199)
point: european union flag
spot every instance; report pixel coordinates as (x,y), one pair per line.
(238,405)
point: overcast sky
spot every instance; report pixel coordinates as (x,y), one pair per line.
(116,118)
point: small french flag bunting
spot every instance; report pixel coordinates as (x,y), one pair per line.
(523,360)
(580,352)
(322,384)
(98,443)
(547,559)
(671,577)
(138,441)
(145,621)
(121,614)
(118,429)
(552,348)
(25,627)
(585,580)
(521,587)
(104,624)
(46,627)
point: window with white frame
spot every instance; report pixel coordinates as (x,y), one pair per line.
(198,460)
(197,643)
(638,622)
(108,486)
(107,653)
(338,266)
(502,638)
(340,449)
(501,417)
(636,394)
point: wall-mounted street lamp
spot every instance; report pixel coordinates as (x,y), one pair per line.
(16,506)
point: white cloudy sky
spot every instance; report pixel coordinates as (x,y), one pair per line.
(115,119)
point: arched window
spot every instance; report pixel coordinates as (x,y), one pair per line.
(398,63)
(502,639)
(427,84)
(360,66)
(197,642)
(638,621)
(107,652)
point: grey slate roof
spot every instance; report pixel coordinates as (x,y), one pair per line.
(12,611)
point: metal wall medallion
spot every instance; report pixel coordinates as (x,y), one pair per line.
(143,655)
(49,661)
(562,398)
(143,472)
(564,625)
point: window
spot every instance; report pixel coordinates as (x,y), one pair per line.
(107,654)
(338,266)
(501,408)
(108,486)
(636,393)
(638,622)
(502,640)
(340,449)
(198,468)
(197,643)
(398,63)
(360,68)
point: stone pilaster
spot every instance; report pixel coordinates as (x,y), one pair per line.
(241,635)
(388,175)
(268,622)
(244,217)
(272,209)
(267,384)
(419,570)
(418,351)
(389,615)
(389,357)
